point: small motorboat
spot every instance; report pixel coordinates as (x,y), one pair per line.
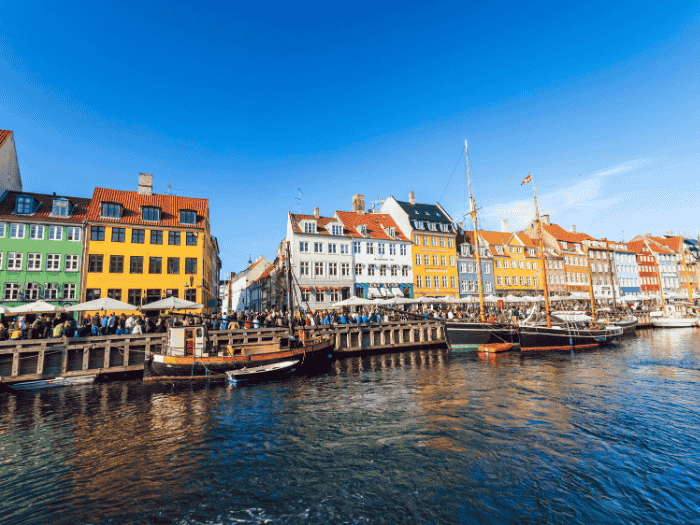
(675,322)
(262,373)
(52,382)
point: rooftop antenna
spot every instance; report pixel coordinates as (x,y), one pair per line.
(168,189)
(299,198)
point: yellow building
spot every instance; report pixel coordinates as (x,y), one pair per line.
(142,247)
(434,254)
(517,267)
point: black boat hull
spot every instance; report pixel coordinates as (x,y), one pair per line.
(468,337)
(565,339)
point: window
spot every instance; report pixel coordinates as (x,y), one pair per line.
(97,233)
(149,213)
(426,259)
(370,248)
(55,233)
(336,229)
(487,269)
(188,217)
(419,225)
(24,204)
(418,259)
(33,262)
(443,260)
(53,262)
(506,264)
(305,295)
(318,269)
(382,270)
(499,250)
(73,233)
(304,269)
(427,281)
(32,291)
(529,281)
(110,210)
(191,239)
(335,296)
(462,267)
(174,238)
(318,247)
(392,249)
(309,227)
(72,263)
(155,265)
(426,240)
(444,281)
(442,242)
(173,265)
(320,296)
(453,282)
(138,236)
(191,265)
(332,248)
(402,249)
(344,248)
(152,295)
(464,286)
(358,268)
(114,293)
(433,226)
(333,269)
(435,260)
(134,297)
(433,241)
(419,281)
(345,269)
(95,263)
(531,252)
(445,228)
(156,237)
(36,232)
(394,270)
(118,234)
(14,260)
(191,295)
(303,246)
(370,269)
(2,229)
(416,240)
(404,270)
(135,265)
(60,208)
(356,247)
(69,292)
(450,243)
(381,247)
(16,231)
(93,293)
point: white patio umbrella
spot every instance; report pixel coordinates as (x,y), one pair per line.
(4,309)
(171,303)
(490,298)
(354,301)
(643,297)
(514,299)
(534,299)
(470,299)
(629,297)
(38,307)
(104,303)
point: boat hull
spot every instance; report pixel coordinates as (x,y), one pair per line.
(262,373)
(54,382)
(564,339)
(312,356)
(670,322)
(628,324)
(468,337)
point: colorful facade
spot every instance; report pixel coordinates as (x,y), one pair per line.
(41,248)
(466,266)
(142,247)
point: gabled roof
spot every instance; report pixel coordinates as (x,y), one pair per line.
(526,240)
(375,222)
(43,212)
(321,223)
(4,133)
(561,234)
(132,202)
(670,242)
(425,212)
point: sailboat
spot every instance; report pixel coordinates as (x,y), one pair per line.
(464,336)
(676,318)
(562,336)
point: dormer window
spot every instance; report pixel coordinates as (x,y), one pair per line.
(188,217)
(499,250)
(24,204)
(419,225)
(445,227)
(337,229)
(150,213)
(309,227)
(111,210)
(563,244)
(60,208)
(531,251)
(362,228)
(392,232)
(433,227)
(466,250)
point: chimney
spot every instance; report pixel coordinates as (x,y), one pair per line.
(145,184)
(316,213)
(411,197)
(669,233)
(545,219)
(358,203)
(572,228)
(504,226)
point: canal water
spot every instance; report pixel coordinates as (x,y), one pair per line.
(606,436)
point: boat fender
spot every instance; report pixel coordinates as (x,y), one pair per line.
(571,341)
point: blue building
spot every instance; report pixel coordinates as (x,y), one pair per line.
(626,270)
(466,265)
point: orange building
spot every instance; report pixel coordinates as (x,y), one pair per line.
(142,247)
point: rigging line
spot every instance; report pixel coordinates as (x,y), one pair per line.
(450,179)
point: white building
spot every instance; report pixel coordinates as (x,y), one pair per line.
(9,166)
(239,296)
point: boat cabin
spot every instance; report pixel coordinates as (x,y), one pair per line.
(187,341)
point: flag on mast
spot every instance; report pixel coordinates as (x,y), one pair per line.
(527,179)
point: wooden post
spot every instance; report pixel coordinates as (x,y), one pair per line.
(412,335)
(15,363)
(349,339)
(392,338)
(108,351)
(337,340)
(401,338)
(40,360)
(126,353)
(382,338)
(422,334)
(86,357)
(64,361)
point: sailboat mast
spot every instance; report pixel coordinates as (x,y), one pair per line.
(290,291)
(472,212)
(658,271)
(590,285)
(681,253)
(544,266)
(611,259)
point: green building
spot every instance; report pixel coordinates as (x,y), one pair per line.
(41,248)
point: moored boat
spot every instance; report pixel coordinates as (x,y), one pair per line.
(51,382)
(469,336)
(262,373)
(675,322)
(559,338)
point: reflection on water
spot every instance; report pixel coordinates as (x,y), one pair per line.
(416,437)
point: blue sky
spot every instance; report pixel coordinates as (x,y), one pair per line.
(243,103)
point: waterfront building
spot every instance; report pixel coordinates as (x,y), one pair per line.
(678,245)
(466,265)
(602,268)
(516,260)
(648,266)
(569,245)
(240,290)
(269,290)
(381,253)
(667,258)
(433,250)
(321,260)
(41,247)
(556,275)
(142,247)
(626,269)
(10,179)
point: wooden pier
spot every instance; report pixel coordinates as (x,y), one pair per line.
(37,359)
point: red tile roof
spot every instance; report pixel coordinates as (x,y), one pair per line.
(132,202)
(4,133)
(561,234)
(321,223)
(671,242)
(376,222)
(43,213)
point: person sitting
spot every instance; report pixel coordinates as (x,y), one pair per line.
(58,331)
(3,331)
(138,327)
